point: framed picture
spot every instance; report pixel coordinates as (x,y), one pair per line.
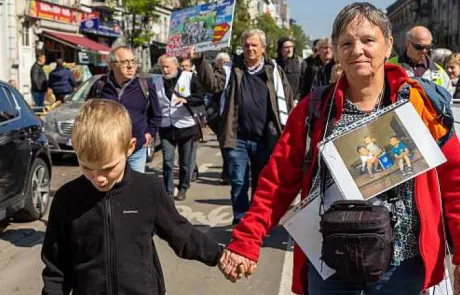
(380,152)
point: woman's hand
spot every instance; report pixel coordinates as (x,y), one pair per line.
(234,266)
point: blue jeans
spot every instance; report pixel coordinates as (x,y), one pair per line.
(186,163)
(405,279)
(138,160)
(246,155)
(39,98)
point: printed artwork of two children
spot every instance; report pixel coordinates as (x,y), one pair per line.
(375,159)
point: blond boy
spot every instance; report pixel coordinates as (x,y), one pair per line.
(100,228)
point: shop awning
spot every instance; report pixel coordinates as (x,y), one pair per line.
(77,41)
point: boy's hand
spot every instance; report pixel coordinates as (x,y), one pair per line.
(234,266)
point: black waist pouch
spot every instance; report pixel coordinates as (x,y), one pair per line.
(357,240)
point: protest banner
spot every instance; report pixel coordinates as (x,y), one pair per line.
(206,26)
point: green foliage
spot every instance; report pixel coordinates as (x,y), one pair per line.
(267,24)
(300,40)
(241,23)
(139,14)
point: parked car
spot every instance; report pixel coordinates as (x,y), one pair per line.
(25,162)
(59,121)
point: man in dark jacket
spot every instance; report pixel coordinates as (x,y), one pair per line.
(289,63)
(137,95)
(318,73)
(256,100)
(39,80)
(61,80)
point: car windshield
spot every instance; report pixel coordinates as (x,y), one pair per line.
(82,91)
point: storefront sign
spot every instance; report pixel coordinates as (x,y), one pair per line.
(92,24)
(48,11)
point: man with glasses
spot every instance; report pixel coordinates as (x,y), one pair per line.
(416,59)
(137,95)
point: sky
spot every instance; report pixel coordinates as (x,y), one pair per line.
(316,16)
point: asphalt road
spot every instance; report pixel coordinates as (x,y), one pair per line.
(207,207)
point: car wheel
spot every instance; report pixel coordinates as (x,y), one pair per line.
(150,152)
(38,192)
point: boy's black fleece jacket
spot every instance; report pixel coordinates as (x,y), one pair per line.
(101,243)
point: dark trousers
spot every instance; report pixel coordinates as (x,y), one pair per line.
(186,163)
(246,155)
(405,279)
(224,163)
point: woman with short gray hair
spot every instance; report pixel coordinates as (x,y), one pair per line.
(413,258)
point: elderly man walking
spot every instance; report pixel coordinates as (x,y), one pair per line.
(416,60)
(177,92)
(255,102)
(137,95)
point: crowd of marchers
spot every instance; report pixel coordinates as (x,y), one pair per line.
(99,234)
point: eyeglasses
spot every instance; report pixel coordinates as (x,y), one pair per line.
(125,63)
(420,47)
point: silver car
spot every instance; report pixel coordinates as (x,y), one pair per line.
(59,122)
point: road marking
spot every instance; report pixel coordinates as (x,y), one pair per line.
(286,272)
(221,215)
(204,167)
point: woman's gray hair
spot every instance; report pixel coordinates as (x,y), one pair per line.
(439,55)
(364,11)
(252,32)
(223,56)
(164,56)
(112,55)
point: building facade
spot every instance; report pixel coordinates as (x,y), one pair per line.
(440,16)
(9,62)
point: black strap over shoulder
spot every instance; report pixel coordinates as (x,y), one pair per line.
(315,105)
(143,82)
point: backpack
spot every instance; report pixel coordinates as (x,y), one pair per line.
(143,82)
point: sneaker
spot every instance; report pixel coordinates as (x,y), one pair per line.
(404,173)
(371,175)
(410,170)
(180,196)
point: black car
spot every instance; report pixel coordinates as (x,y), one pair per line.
(25,163)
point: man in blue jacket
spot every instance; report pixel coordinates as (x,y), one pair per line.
(137,95)
(61,80)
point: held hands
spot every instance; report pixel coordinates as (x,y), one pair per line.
(234,266)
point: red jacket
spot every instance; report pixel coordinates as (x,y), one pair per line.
(282,179)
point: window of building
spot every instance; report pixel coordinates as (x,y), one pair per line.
(7,106)
(26,34)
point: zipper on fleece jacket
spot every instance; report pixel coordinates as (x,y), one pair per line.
(110,249)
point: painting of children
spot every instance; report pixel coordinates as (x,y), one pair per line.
(384,156)
(401,154)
